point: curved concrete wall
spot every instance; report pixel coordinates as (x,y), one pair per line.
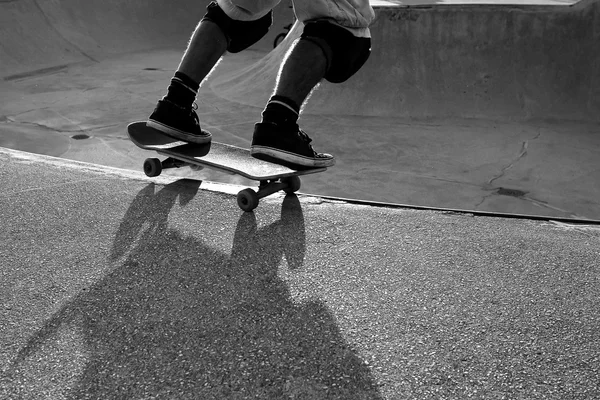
(41,34)
(37,34)
(476,61)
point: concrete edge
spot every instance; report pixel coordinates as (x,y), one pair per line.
(58,162)
(578,222)
(232,189)
(532,6)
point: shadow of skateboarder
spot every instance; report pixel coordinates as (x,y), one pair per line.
(179,318)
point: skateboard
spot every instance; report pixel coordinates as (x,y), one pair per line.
(218,156)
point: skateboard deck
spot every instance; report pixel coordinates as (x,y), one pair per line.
(218,156)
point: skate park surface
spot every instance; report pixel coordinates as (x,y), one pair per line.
(115,285)
(487,108)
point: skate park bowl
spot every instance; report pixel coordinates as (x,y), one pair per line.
(489,107)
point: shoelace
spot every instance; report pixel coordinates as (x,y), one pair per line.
(304,136)
(193,108)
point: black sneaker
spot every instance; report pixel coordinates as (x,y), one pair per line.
(178,122)
(287,146)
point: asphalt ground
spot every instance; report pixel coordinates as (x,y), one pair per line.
(117,286)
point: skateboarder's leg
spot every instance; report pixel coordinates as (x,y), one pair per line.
(326,50)
(229,25)
(206,47)
(301,71)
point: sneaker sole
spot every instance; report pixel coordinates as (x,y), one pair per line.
(289,159)
(180,135)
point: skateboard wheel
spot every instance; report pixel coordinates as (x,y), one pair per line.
(293,183)
(247,199)
(152,167)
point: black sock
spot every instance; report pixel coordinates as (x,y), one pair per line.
(281,111)
(182,90)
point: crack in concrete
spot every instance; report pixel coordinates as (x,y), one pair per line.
(539,203)
(380,171)
(8,117)
(46,127)
(77,128)
(522,154)
(484,198)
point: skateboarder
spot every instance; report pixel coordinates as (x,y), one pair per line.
(334,45)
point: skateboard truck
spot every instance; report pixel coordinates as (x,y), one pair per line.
(248,199)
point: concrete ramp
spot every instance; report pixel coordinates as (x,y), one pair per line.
(41,36)
(444,114)
(471,61)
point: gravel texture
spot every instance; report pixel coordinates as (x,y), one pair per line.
(115,286)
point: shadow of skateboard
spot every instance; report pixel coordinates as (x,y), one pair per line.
(218,156)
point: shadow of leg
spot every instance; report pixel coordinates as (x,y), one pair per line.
(178,318)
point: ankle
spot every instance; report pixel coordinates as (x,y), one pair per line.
(182,91)
(281,110)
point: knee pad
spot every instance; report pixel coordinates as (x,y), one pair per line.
(345,53)
(240,34)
